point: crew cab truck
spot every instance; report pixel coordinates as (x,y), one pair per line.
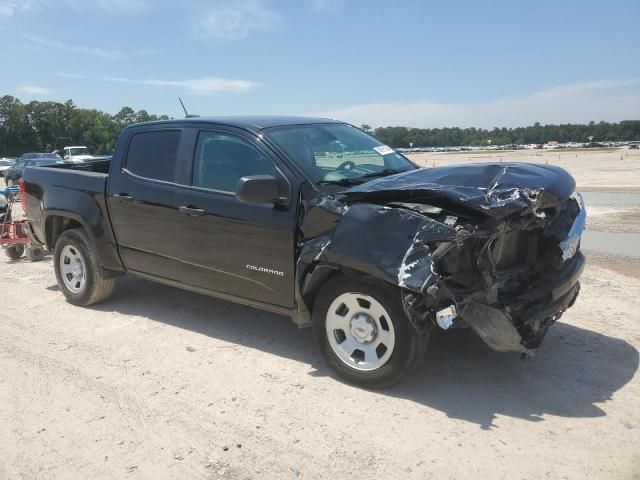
(315,219)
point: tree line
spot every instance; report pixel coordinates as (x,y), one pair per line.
(46,126)
(399,137)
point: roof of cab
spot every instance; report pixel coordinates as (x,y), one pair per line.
(253,123)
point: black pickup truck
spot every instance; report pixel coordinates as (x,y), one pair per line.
(318,220)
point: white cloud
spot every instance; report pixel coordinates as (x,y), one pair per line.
(327,6)
(33,90)
(11,7)
(609,100)
(202,85)
(237,19)
(104,53)
(120,5)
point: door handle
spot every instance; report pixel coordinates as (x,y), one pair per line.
(192,212)
(124,197)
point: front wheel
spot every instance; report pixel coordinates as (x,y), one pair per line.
(77,269)
(364,333)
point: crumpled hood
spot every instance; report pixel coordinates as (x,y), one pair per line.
(497,190)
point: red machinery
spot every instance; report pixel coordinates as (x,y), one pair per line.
(13,233)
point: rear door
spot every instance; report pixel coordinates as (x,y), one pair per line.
(232,247)
(143,205)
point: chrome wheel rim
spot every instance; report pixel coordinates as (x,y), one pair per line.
(72,269)
(359,331)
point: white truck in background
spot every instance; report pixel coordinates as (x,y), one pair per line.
(76,154)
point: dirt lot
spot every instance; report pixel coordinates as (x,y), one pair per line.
(160,383)
(611,170)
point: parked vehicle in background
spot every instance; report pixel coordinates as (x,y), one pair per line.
(76,154)
(14,173)
(5,163)
(320,221)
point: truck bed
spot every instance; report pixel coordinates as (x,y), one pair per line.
(97,166)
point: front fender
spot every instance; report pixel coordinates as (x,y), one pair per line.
(389,245)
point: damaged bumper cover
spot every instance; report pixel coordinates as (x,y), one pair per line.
(493,246)
(498,328)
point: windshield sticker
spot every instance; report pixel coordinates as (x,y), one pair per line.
(383,150)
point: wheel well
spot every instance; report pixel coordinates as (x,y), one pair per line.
(57,224)
(324,273)
(314,282)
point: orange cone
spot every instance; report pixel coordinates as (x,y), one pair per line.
(621,157)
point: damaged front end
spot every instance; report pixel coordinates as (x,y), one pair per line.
(490,247)
(510,284)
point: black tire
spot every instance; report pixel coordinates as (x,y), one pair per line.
(95,288)
(14,252)
(409,347)
(35,253)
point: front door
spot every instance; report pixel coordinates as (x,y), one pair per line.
(232,247)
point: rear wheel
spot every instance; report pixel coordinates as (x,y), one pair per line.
(364,333)
(77,269)
(14,252)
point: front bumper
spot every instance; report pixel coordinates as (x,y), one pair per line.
(512,307)
(522,323)
(521,327)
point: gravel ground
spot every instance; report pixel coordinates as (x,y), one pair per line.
(614,218)
(614,170)
(161,383)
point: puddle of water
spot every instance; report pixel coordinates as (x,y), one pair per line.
(627,244)
(604,198)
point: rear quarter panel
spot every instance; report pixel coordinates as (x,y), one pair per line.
(73,194)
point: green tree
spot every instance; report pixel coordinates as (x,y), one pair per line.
(43,126)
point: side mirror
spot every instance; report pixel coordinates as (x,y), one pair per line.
(258,189)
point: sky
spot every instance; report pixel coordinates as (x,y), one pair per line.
(417,63)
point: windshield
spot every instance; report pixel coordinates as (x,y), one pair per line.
(78,151)
(337,153)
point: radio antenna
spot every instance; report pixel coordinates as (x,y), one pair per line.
(186,114)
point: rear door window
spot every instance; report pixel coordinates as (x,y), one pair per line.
(153,154)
